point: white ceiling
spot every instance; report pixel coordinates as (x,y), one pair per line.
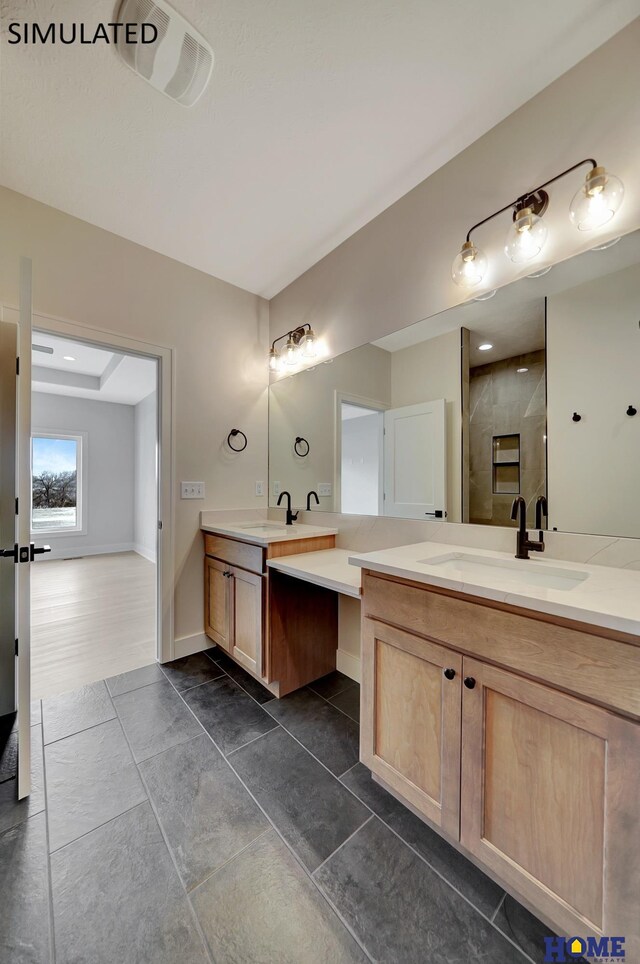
(319,115)
(95,373)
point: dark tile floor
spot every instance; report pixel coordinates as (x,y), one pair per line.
(183,816)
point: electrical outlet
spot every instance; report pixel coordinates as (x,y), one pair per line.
(324,488)
(192,490)
(277,489)
(259,488)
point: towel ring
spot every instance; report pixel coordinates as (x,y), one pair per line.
(232,434)
(301,442)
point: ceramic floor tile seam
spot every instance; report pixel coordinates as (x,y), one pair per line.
(344,843)
(323,765)
(489,920)
(135,688)
(228,861)
(353,720)
(286,843)
(253,740)
(224,673)
(424,860)
(349,684)
(196,685)
(52,923)
(98,826)
(166,843)
(497,910)
(84,728)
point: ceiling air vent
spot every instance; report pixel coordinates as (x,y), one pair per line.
(179,62)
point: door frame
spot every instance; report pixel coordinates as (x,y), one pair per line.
(375,405)
(166,457)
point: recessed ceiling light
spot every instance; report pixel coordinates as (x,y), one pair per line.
(485,347)
(521,370)
(68,357)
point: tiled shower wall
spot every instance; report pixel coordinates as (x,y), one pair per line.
(505,402)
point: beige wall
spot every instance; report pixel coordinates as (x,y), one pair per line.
(594,464)
(219,333)
(423,373)
(396,270)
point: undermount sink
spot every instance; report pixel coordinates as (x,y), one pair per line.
(265,527)
(464,566)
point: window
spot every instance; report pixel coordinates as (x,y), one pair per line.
(56,483)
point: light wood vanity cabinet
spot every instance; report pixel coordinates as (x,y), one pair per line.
(282,633)
(234,607)
(537,784)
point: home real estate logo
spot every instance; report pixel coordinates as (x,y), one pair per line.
(597,950)
(81,33)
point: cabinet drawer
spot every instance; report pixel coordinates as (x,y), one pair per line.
(237,553)
(604,670)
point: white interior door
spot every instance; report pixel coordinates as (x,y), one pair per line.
(17,549)
(415,460)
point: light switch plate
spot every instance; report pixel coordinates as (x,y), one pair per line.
(324,488)
(192,490)
(259,488)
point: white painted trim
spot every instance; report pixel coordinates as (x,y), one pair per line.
(187,645)
(145,553)
(166,457)
(348,664)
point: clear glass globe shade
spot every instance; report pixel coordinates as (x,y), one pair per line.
(526,237)
(469,266)
(596,202)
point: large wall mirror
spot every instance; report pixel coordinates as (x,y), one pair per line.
(535,391)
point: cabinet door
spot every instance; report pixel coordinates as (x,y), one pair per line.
(550,792)
(217,593)
(246,616)
(410,735)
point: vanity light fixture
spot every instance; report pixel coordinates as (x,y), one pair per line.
(301,344)
(592,206)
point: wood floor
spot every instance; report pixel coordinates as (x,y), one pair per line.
(91,618)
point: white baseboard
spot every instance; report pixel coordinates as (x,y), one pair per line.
(145,553)
(187,645)
(348,664)
(75,552)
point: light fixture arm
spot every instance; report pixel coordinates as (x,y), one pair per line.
(296,333)
(537,199)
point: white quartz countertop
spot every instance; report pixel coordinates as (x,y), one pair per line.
(264,533)
(327,567)
(599,595)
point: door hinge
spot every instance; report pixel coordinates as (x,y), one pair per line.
(18,366)
(16,647)
(17,502)
(159,524)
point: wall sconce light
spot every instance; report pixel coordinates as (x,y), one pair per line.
(592,206)
(301,345)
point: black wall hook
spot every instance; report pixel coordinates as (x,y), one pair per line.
(299,443)
(632,411)
(576,418)
(232,434)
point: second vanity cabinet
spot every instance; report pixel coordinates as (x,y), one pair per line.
(518,738)
(234,611)
(284,632)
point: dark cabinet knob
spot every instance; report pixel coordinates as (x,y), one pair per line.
(469,682)
(450,673)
